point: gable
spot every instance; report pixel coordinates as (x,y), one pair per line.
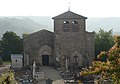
(38,33)
(69,15)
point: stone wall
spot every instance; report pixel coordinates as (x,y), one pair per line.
(33,44)
(61,44)
(90,46)
(70,43)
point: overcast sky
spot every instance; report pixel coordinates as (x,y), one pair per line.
(88,8)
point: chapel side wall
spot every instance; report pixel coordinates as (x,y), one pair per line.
(90,45)
(30,49)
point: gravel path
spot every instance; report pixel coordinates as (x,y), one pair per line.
(51,73)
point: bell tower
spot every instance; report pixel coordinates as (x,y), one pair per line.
(69,22)
(69,36)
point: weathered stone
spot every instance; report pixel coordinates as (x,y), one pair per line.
(69,38)
(38,44)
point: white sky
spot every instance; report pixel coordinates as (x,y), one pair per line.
(88,8)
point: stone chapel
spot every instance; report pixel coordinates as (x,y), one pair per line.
(69,42)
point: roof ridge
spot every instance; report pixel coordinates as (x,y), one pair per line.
(34,33)
(69,15)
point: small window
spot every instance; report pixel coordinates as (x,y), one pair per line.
(66,26)
(66,22)
(75,27)
(15,60)
(75,22)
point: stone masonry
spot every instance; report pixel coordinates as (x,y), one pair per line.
(36,45)
(68,40)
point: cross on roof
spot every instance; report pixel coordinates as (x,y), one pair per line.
(69,6)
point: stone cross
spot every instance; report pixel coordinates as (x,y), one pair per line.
(75,58)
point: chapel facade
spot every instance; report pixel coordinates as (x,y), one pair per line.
(70,42)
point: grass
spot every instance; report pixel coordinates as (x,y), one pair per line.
(6,62)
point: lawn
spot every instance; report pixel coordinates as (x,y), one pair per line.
(6,62)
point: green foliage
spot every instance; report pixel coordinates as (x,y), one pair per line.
(103,41)
(7,62)
(7,78)
(11,44)
(25,35)
(0,47)
(110,68)
(1,63)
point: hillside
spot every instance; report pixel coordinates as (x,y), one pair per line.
(29,24)
(19,25)
(94,24)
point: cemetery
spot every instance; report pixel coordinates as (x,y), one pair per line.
(65,56)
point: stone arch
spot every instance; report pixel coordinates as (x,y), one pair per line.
(45,50)
(80,58)
(45,53)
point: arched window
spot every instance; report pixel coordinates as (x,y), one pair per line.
(66,22)
(66,26)
(75,27)
(75,22)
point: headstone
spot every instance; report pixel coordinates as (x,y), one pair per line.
(49,81)
(34,66)
(25,77)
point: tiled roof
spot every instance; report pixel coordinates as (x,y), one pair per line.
(69,15)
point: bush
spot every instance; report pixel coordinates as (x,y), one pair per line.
(1,62)
(110,68)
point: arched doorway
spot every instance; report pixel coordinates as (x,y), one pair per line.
(45,54)
(45,60)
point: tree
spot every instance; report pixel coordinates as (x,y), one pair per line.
(11,44)
(103,41)
(24,35)
(0,47)
(110,68)
(1,53)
